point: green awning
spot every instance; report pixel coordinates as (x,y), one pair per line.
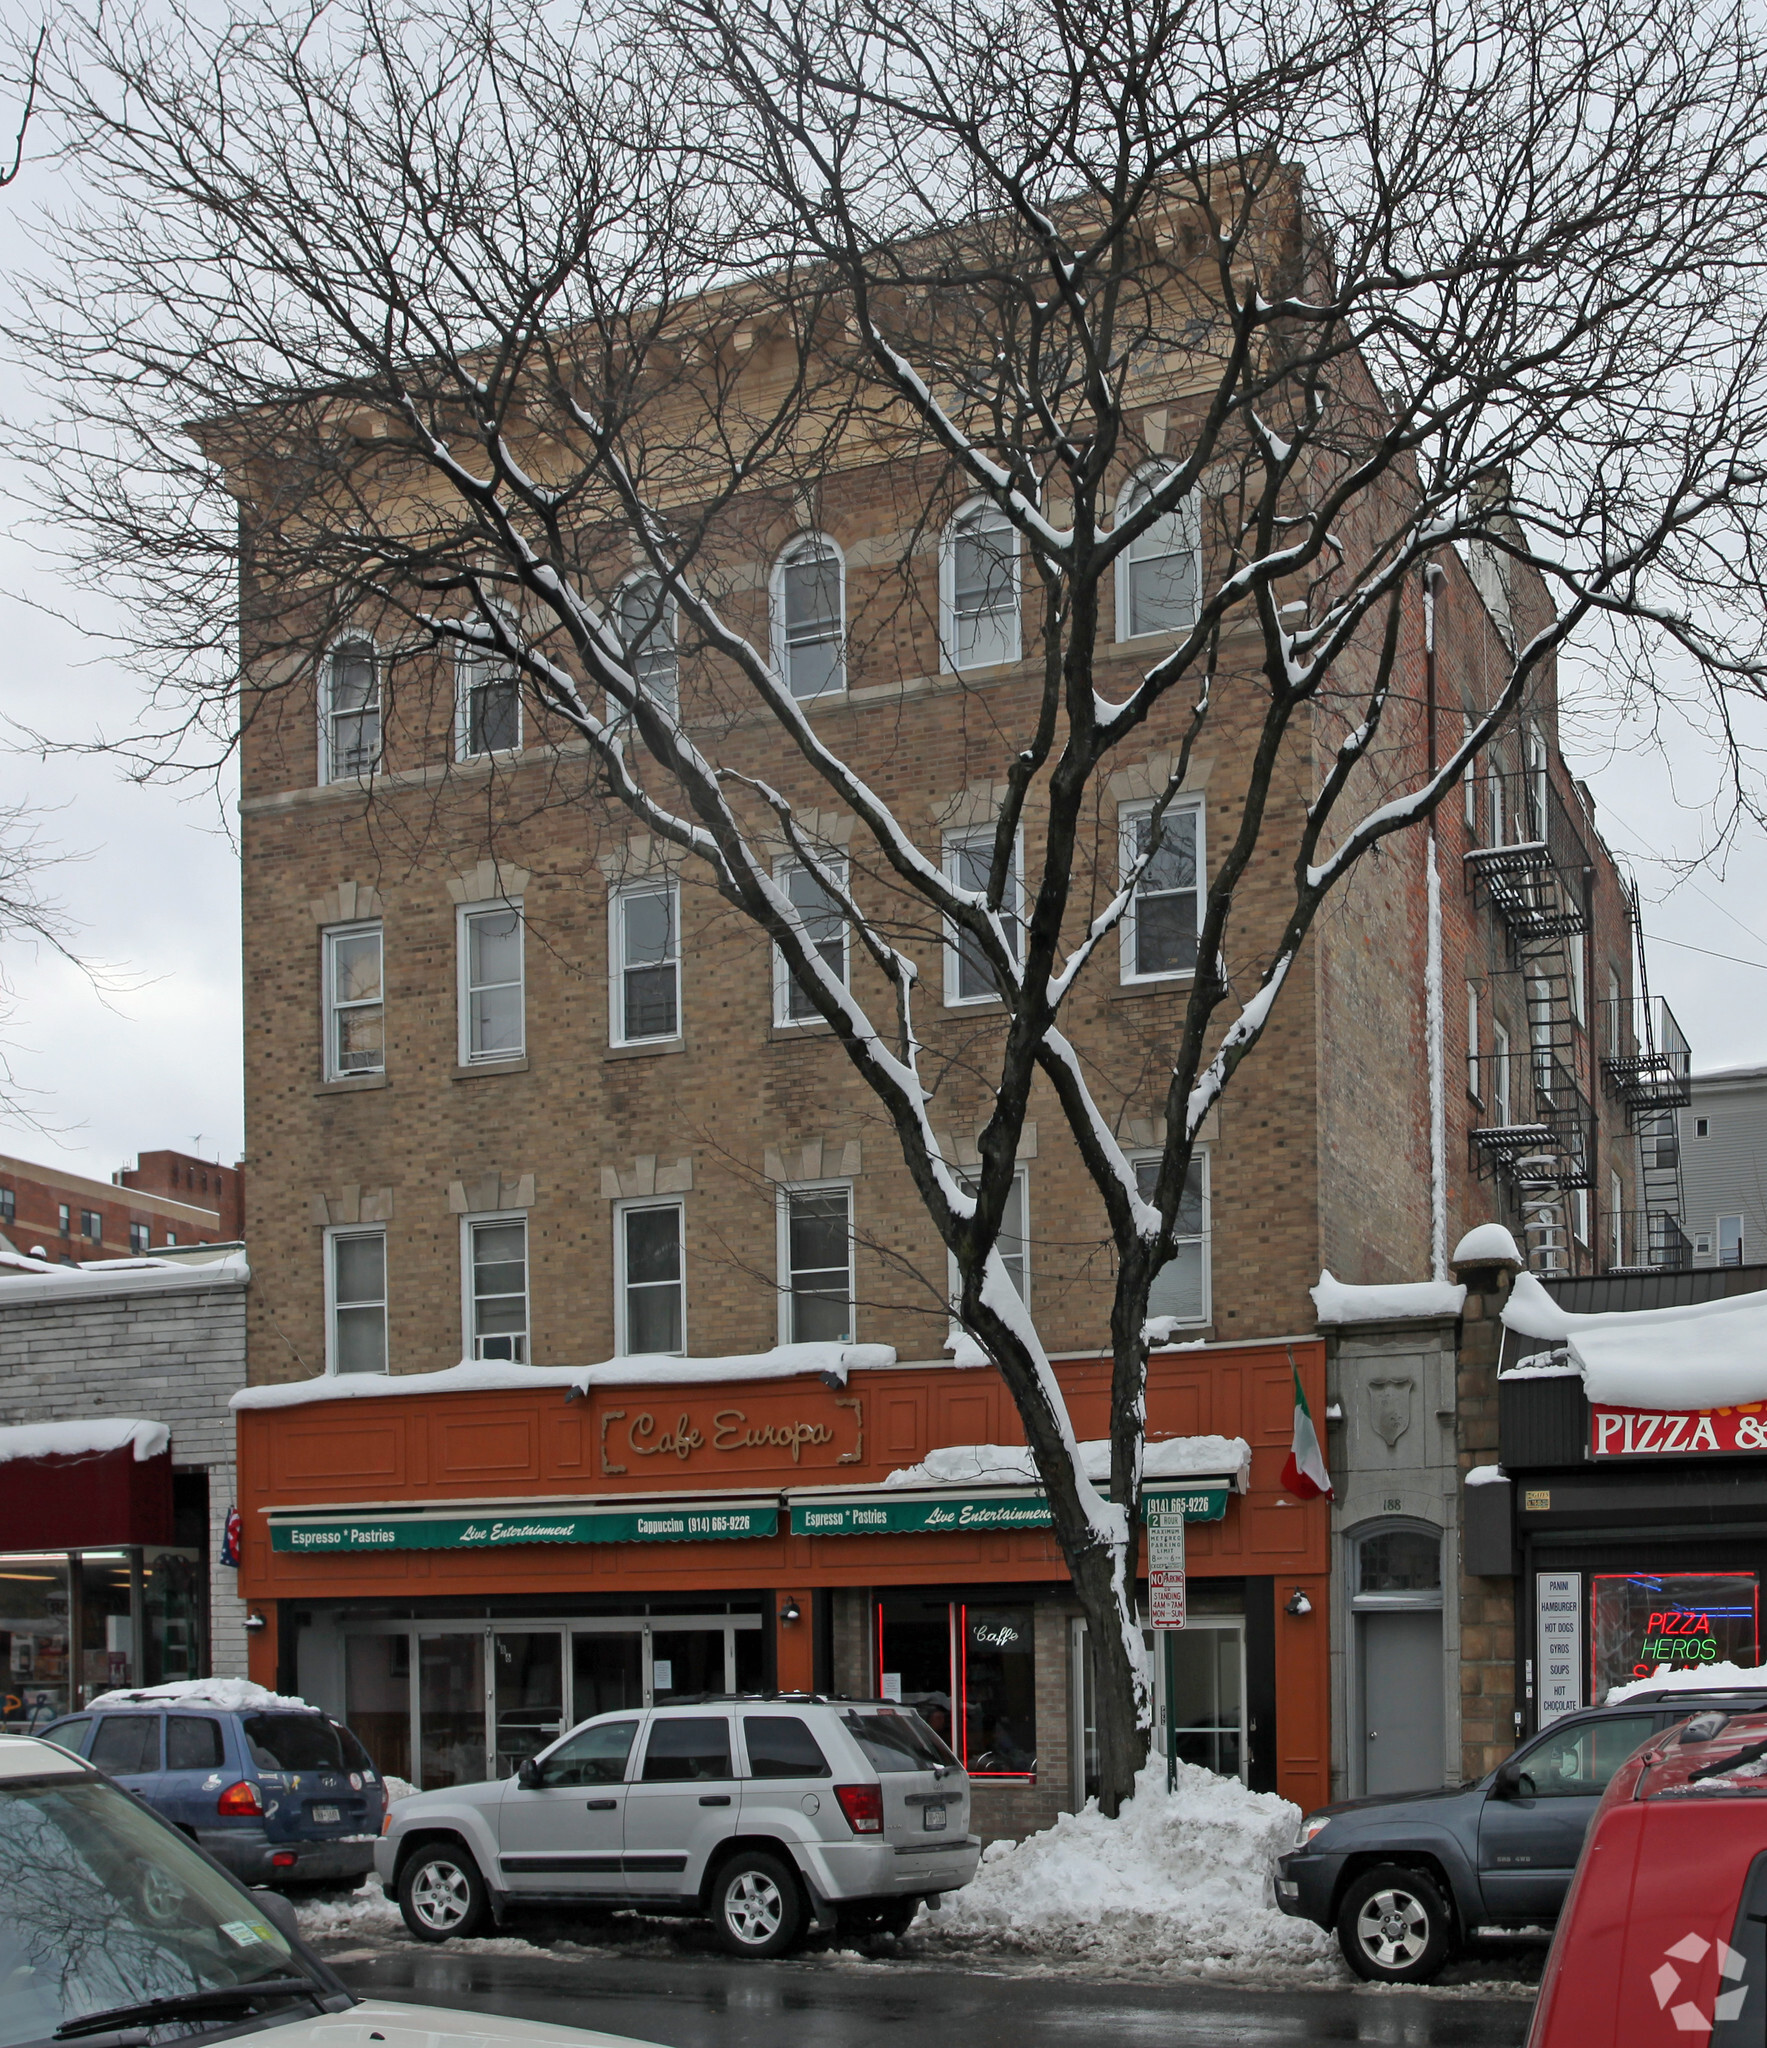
(490,1528)
(885,1512)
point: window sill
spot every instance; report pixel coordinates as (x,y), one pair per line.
(811,1027)
(1149,985)
(485,1067)
(650,1049)
(351,1084)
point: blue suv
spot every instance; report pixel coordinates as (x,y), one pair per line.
(281,1795)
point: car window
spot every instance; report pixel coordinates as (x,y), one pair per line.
(70,1734)
(593,1756)
(127,1742)
(301,1742)
(1579,1761)
(693,1747)
(780,1746)
(895,1740)
(193,1742)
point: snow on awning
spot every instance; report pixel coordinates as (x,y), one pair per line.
(642,1369)
(1178,1457)
(90,1437)
(1703,1354)
(1338,1302)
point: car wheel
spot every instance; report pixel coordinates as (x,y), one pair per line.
(757,1907)
(1394,1926)
(441,1894)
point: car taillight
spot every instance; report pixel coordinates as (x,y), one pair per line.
(863,1806)
(240,1798)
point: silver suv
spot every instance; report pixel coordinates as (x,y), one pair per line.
(769,1814)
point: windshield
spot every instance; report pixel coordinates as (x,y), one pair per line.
(302,1742)
(894,1740)
(104,1906)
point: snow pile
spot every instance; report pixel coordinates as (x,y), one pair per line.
(1695,1678)
(1703,1354)
(367,1910)
(398,1788)
(83,1439)
(1338,1302)
(1181,1880)
(1178,1457)
(642,1369)
(1487,1244)
(237,1695)
(1486,1475)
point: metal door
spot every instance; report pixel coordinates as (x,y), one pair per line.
(1401,1657)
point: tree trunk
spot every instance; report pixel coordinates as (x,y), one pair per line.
(1122,1703)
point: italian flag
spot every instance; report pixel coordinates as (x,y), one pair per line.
(1305,1472)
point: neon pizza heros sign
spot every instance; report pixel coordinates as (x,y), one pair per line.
(1647,1623)
(1658,1432)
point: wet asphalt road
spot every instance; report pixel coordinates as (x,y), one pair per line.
(705,2002)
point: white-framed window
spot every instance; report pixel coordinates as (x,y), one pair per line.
(355,1001)
(1160,573)
(650,1277)
(1469,775)
(1537,783)
(138,1238)
(816,1263)
(1161,927)
(493,1024)
(488,704)
(1580,1215)
(356,1300)
(1730,1241)
(1181,1288)
(349,710)
(968,858)
(810,617)
(1579,978)
(1616,1221)
(1472,1042)
(1702,1127)
(644,618)
(494,1286)
(824,927)
(979,588)
(645,947)
(1500,1098)
(1014,1241)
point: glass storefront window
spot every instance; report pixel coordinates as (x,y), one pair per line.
(451,1710)
(529,1672)
(34,1623)
(107,1621)
(607,1673)
(175,1608)
(377,1699)
(1644,1624)
(970,1672)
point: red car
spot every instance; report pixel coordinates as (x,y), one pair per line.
(1663,1937)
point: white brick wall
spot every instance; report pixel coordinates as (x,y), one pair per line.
(171,1352)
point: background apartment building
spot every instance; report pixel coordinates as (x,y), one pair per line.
(166,1199)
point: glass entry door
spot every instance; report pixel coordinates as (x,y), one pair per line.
(528,1707)
(451,1710)
(1205,1693)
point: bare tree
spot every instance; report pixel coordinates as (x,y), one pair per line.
(479,313)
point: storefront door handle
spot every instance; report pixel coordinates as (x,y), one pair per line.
(714,1799)
(602,1805)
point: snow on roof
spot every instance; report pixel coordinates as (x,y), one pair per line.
(1485,1475)
(1695,1678)
(1178,1457)
(1338,1302)
(642,1369)
(1702,1354)
(1485,1244)
(36,1280)
(83,1439)
(239,1695)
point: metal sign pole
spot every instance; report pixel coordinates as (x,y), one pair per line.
(1166,1605)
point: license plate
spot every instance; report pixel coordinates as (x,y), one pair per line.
(324,1816)
(932,1817)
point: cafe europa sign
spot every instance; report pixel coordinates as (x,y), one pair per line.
(1673,1432)
(705,1436)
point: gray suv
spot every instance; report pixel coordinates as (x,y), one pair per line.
(1405,1879)
(768,1814)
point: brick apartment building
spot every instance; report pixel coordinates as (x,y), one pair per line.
(167,1199)
(526,1097)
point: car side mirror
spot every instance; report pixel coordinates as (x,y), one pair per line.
(1514,1783)
(528,1774)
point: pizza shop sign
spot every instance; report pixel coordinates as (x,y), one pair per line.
(1656,1432)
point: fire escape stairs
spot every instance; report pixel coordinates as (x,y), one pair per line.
(1653,1081)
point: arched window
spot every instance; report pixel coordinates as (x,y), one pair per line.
(1159,575)
(809,617)
(978,588)
(349,710)
(488,700)
(644,618)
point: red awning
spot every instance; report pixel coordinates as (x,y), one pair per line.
(74,1485)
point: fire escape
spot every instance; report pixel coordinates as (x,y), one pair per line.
(1541,1138)
(1653,1080)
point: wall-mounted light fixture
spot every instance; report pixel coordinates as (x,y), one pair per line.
(790,1612)
(255,1620)
(1297,1603)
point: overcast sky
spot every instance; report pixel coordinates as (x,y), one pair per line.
(157,1062)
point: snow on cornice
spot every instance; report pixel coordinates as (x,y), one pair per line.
(1701,1354)
(24,1279)
(1338,1302)
(1178,1457)
(642,1369)
(83,1439)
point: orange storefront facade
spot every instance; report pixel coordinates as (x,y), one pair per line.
(460,1572)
